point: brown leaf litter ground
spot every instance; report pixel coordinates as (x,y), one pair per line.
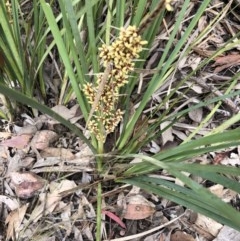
(48,176)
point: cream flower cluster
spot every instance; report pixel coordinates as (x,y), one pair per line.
(120,56)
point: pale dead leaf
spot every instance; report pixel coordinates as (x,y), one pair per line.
(86,177)
(208,225)
(12,203)
(121,200)
(14,163)
(14,220)
(194,61)
(50,201)
(233,160)
(155,148)
(88,233)
(89,210)
(26,183)
(196,88)
(227,234)
(26,130)
(217,190)
(77,234)
(202,23)
(166,134)
(85,155)
(4,152)
(196,114)
(75,110)
(5,135)
(225,194)
(134,191)
(66,218)
(182,62)
(136,160)
(64,111)
(138,208)
(19,142)
(180,134)
(189,61)
(65,154)
(27,162)
(42,139)
(60,207)
(47,162)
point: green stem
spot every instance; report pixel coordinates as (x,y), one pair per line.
(99,211)
(99,159)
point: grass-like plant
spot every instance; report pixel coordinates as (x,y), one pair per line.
(118,41)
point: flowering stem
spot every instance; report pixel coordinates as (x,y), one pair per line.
(99,159)
(99,211)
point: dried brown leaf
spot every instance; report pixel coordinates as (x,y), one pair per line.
(19,142)
(225,62)
(14,220)
(50,201)
(26,183)
(138,208)
(42,139)
(65,154)
(138,211)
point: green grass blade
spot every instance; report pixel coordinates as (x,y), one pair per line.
(9,46)
(120,12)
(140,9)
(155,82)
(64,55)
(92,39)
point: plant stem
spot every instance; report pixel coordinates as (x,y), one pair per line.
(99,191)
(99,212)
(99,159)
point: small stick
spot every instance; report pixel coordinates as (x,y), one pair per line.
(100,91)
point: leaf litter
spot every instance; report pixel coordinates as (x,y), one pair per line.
(38,166)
